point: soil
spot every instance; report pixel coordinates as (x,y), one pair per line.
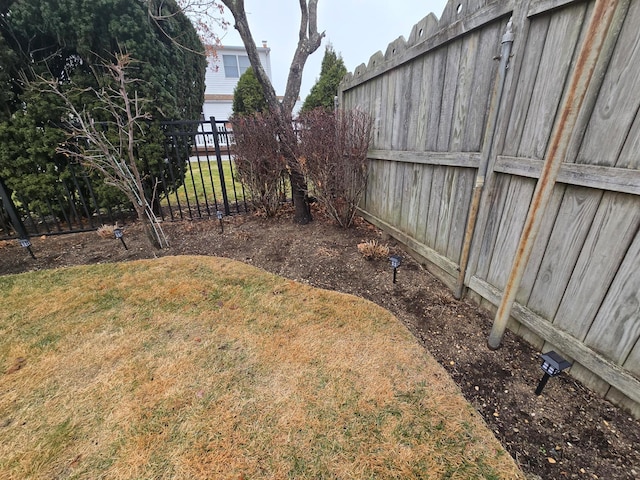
(567,432)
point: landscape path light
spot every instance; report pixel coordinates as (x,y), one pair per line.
(396,261)
(552,365)
(219,215)
(119,234)
(25,243)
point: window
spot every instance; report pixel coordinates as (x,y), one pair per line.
(235,65)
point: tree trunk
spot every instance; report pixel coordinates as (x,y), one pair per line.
(289,140)
(309,40)
(302,213)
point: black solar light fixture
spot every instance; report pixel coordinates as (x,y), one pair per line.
(25,243)
(396,261)
(552,365)
(219,215)
(119,234)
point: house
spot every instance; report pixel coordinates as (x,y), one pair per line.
(222,77)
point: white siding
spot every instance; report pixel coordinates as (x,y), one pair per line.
(216,82)
(219,110)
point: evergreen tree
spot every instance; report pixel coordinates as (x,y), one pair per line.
(248,96)
(70,41)
(326,88)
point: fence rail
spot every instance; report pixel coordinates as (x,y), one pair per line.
(201,183)
(435,99)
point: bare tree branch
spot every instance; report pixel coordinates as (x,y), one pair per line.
(200,13)
(236,7)
(308,42)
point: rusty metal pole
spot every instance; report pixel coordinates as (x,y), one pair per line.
(490,132)
(595,37)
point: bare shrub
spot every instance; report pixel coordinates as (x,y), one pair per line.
(372,250)
(333,156)
(260,163)
(109,147)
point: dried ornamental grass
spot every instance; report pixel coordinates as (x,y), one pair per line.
(372,250)
(106,231)
(200,367)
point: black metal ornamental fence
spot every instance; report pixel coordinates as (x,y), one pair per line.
(194,179)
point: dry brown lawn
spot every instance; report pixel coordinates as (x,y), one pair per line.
(202,367)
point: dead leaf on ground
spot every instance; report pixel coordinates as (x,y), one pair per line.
(17,365)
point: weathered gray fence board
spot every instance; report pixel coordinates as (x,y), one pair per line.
(375,109)
(632,363)
(382,184)
(613,228)
(382,202)
(367,200)
(398,200)
(629,157)
(435,101)
(463,190)
(374,187)
(442,35)
(464,93)
(419,124)
(449,185)
(519,106)
(613,179)
(616,328)
(455,159)
(437,181)
(511,224)
(390,208)
(485,71)
(423,209)
(377,89)
(600,69)
(542,241)
(402,101)
(618,102)
(488,235)
(413,191)
(415,124)
(445,120)
(543,6)
(386,112)
(560,45)
(569,233)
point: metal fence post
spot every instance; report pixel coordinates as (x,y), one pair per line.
(10,208)
(216,142)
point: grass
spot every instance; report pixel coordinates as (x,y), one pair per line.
(198,367)
(202,180)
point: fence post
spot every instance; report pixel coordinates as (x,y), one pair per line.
(9,206)
(216,142)
(487,152)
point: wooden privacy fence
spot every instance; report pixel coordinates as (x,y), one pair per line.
(476,106)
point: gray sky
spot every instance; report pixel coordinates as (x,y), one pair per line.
(356,28)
